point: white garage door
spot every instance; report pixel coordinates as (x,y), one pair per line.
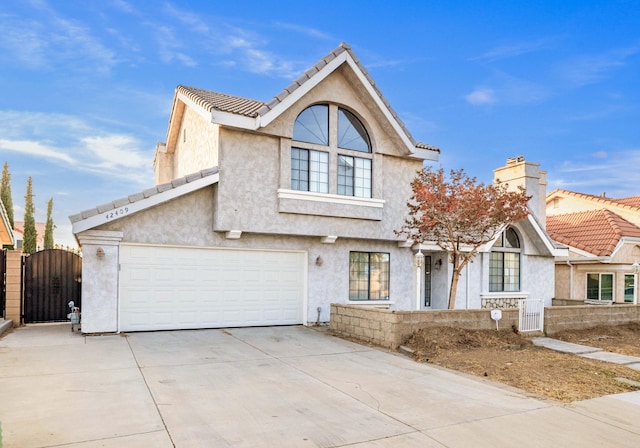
(167,288)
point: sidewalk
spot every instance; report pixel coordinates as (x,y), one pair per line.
(588,352)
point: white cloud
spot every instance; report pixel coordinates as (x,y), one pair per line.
(608,172)
(481,97)
(311,32)
(75,144)
(50,40)
(35,148)
(512,50)
(591,69)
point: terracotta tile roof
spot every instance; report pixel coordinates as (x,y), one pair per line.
(630,203)
(633,201)
(596,231)
(144,194)
(252,108)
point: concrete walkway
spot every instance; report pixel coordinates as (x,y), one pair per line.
(271,387)
(585,351)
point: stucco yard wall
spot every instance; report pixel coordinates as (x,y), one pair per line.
(559,318)
(388,328)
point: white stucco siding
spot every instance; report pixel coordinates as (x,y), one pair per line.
(187,221)
(196,145)
(538,278)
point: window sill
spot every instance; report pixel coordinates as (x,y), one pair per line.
(322,204)
(598,302)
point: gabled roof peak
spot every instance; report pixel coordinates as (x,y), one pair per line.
(259,110)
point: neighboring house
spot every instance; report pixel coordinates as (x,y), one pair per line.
(266,213)
(6,233)
(18,233)
(603,235)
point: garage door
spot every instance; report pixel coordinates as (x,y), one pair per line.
(167,288)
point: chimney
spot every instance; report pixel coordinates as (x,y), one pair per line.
(520,173)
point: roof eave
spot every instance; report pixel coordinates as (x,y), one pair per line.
(102,216)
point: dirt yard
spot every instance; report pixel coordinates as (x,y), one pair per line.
(507,357)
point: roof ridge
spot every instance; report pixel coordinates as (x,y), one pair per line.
(612,201)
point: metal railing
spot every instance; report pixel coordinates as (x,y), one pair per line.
(531,315)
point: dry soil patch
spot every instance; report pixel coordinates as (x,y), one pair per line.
(510,358)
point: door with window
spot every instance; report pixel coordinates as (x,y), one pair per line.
(630,288)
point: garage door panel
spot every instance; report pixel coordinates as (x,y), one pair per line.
(175,288)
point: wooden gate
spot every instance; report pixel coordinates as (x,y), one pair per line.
(3,283)
(51,279)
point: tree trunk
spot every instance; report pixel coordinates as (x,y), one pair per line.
(454,287)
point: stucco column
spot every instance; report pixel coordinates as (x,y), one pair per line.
(100,258)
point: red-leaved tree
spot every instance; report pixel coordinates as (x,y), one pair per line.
(460,215)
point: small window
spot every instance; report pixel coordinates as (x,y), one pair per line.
(354,176)
(504,263)
(600,286)
(351,133)
(309,170)
(368,276)
(312,125)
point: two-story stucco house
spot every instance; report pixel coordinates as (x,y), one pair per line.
(266,213)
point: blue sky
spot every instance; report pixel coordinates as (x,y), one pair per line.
(86,87)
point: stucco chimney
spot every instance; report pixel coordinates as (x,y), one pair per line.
(520,173)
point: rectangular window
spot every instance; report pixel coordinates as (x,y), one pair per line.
(629,288)
(504,272)
(309,170)
(354,176)
(599,286)
(369,276)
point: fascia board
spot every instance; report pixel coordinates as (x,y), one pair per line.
(219,117)
(143,204)
(554,251)
(623,241)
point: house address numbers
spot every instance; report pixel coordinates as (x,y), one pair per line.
(116,213)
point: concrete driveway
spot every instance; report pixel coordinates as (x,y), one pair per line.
(271,387)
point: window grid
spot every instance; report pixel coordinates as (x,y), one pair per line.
(354,176)
(504,263)
(368,276)
(309,170)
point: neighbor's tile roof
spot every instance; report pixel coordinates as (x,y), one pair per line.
(595,231)
(252,108)
(144,194)
(630,203)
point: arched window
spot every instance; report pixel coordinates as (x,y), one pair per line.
(314,141)
(504,262)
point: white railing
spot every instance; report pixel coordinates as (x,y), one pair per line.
(531,315)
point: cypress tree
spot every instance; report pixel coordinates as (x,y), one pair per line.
(30,236)
(48,230)
(5,192)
